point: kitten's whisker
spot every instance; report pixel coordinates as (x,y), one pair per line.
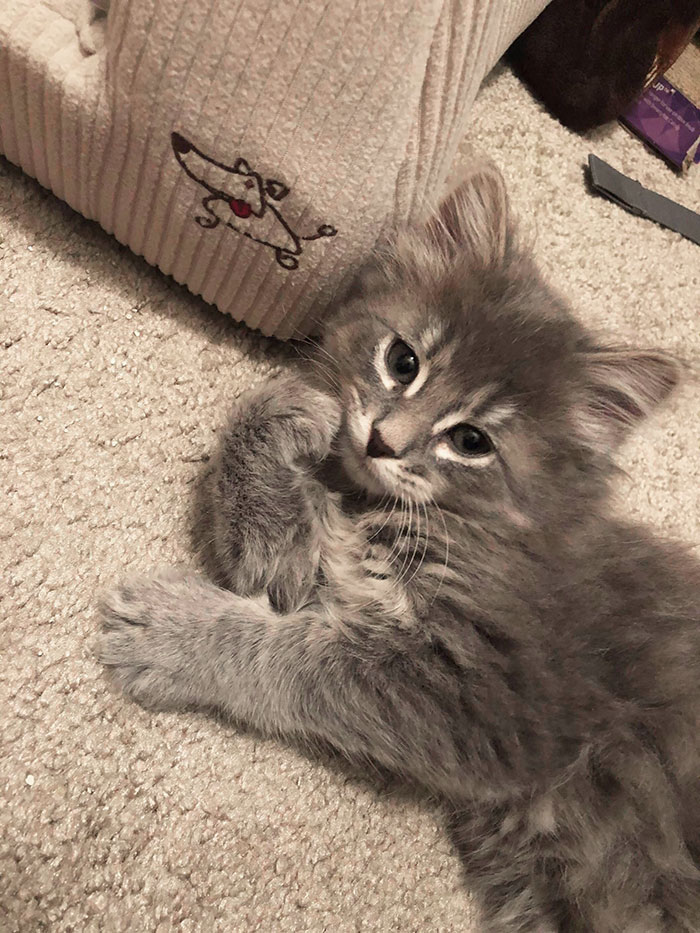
(397,539)
(396,547)
(321,365)
(300,335)
(425,547)
(447,550)
(407,556)
(407,538)
(314,361)
(387,517)
(378,508)
(327,360)
(326,353)
(382,501)
(317,347)
(332,379)
(303,352)
(412,559)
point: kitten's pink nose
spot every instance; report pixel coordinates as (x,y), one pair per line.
(377,447)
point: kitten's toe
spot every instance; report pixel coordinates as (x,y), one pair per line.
(149,639)
(124,605)
(139,600)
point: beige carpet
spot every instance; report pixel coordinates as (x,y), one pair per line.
(113,382)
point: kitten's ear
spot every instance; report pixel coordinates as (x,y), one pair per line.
(622,387)
(473,218)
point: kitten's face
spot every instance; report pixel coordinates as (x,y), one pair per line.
(440,392)
(466,381)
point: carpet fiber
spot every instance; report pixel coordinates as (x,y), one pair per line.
(113,382)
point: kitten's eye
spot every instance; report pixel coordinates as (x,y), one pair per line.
(470,441)
(402,362)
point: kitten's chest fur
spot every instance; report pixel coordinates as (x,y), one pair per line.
(591,626)
(364,559)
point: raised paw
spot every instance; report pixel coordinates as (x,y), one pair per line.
(302,418)
(154,638)
(319,414)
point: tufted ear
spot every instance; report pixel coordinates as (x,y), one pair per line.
(623,386)
(474,217)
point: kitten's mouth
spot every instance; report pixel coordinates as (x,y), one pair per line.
(375,475)
(361,469)
(380,477)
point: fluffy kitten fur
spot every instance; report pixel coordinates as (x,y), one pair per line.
(477,624)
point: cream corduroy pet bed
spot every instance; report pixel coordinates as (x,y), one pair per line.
(253,149)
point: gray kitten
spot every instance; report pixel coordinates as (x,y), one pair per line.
(420,568)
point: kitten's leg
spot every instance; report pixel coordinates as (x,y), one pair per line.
(362,685)
(377,690)
(365,683)
(499,849)
(624,865)
(601,852)
(265,503)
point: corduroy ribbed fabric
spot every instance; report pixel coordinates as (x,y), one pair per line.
(302,129)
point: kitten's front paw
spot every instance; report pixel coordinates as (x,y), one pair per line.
(324,412)
(153,639)
(313,414)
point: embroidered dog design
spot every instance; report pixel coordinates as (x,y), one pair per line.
(244,201)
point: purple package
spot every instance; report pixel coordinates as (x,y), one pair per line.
(668,121)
